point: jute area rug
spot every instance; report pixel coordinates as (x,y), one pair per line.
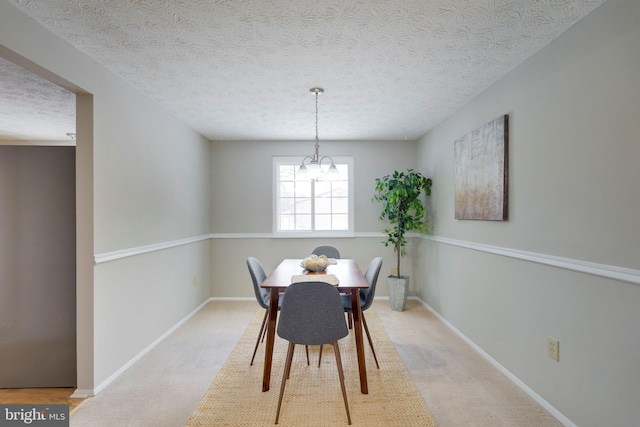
(312,396)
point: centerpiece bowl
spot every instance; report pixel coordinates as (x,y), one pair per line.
(315,263)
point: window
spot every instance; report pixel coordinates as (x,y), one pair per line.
(312,208)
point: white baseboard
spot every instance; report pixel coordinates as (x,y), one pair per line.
(546,405)
(92,392)
(82,393)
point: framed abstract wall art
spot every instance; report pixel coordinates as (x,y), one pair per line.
(481,172)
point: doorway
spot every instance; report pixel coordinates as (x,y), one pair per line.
(37,267)
(37,227)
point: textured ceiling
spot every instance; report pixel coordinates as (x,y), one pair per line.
(242,69)
(32,107)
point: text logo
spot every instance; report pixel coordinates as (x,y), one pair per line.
(34,415)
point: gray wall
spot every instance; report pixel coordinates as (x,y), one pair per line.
(242,206)
(143,206)
(574,200)
(37,267)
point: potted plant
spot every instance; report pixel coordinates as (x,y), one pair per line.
(402,207)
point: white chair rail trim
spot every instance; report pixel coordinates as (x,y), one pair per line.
(138,250)
(623,274)
(124,253)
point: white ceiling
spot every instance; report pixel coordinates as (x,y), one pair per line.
(242,69)
(33,108)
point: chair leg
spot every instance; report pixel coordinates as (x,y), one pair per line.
(306,348)
(341,375)
(320,356)
(287,371)
(350,319)
(263,329)
(366,329)
(285,375)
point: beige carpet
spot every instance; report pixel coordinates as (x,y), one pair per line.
(312,396)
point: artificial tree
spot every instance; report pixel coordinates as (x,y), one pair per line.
(402,206)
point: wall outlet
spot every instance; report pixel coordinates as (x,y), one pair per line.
(553,348)
(394,271)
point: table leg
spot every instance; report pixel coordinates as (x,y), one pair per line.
(357,327)
(271,336)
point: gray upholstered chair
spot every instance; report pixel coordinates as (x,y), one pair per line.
(263,297)
(366,298)
(328,251)
(321,322)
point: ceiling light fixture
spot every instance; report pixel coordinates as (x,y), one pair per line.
(313,170)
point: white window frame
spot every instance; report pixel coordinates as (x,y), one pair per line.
(297,160)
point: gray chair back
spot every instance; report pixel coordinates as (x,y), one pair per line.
(371,274)
(328,251)
(257,276)
(312,314)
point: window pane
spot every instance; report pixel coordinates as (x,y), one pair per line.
(323,189)
(340,189)
(303,206)
(286,173)
(286,206)
(303,222)
(287,222)
(340,222)
(340,205)
(323,222)
(303,188)
(323,205)
(287,189)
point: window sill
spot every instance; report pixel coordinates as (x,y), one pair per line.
(312,234)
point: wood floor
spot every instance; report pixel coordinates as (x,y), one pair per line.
(40,396)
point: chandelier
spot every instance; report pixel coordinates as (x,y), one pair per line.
(313,169)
